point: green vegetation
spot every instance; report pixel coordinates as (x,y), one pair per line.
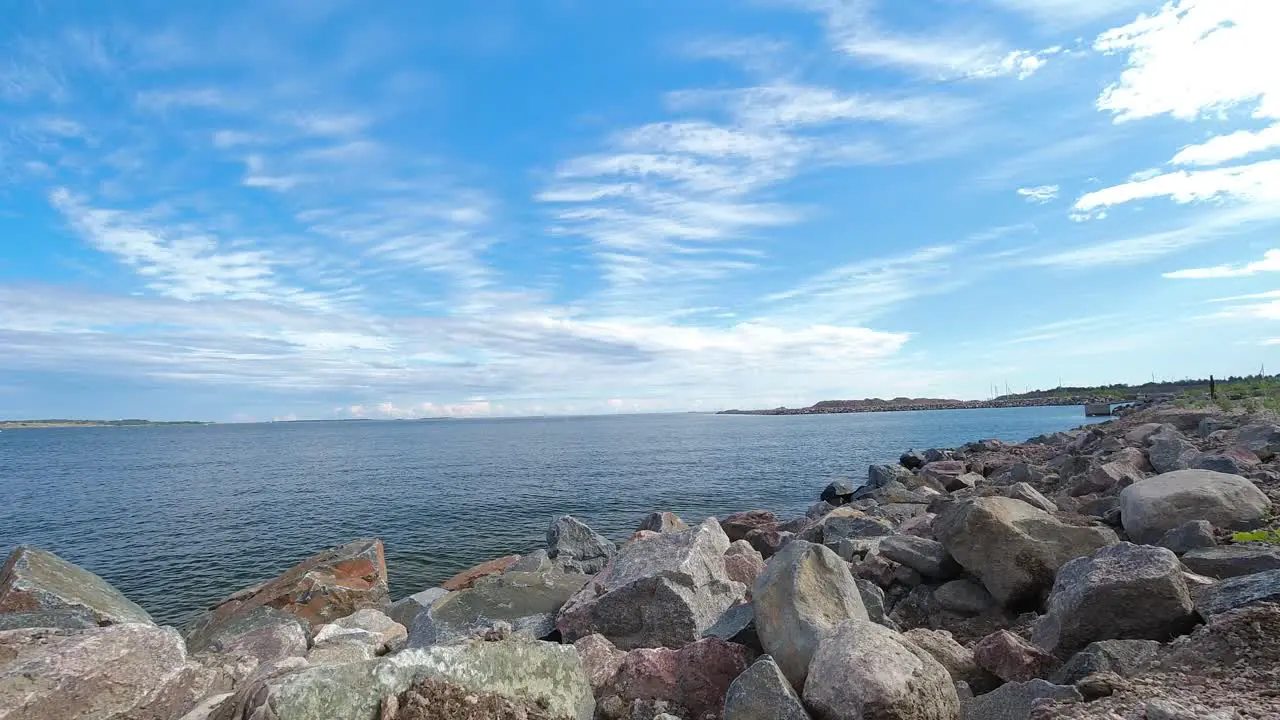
(1271,537)
(1253,393)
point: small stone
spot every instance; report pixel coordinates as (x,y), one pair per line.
(1011,658)
(927,557)
(1188,536)
(763,693)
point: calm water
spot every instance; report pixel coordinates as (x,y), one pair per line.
(179,517)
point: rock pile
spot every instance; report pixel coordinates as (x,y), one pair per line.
(1086,574)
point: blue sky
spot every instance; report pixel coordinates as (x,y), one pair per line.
(289,208)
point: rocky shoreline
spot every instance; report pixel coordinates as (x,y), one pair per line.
(1097,573)
(837,407)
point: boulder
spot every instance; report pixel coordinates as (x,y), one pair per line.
(1238,592)
(768,541)
(1211,425)
(899,513)
(1236,460)
(547,675)
(1015,701)
(912,460)
(257,639)
(873,601)
(535,562)
(896,492)
(324,587)
(946,473)
(846,522)
(818,510)
(1188,536)
(124,670)
(1012,659)
(600,660)
(36,580)
(805,591)
(575,546)
(1012,547)
(1168,451)
(837,493)
(1105,477)
(695,677)
(406,609)
(1029,495)
(927,557)
(956,658)
(1233,560)
(738,525)
(663,522)
(526,601)
(1154,506)
(737,625)
(1183,419)
(880,475)
(1262,439)
(964,597)
(742,563)
(64,619)
(1123,592)
(919,525)
(1131,456)
(662,592)
(862,670)
(1140,434)
(387,634)
(763,693)
(1122,657)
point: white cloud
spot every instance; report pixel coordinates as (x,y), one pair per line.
(1222,148)
(1257,183)
(1039,194)
(793,105)
(1069,13)
(1270,262)
(1196,57)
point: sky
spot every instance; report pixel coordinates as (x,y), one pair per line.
(284,209)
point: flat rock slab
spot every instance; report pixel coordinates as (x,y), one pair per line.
(1230,561)
(468,577)
(324,587)
(526,601)
(1239,592)
(36,580)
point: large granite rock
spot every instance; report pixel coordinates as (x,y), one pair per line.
(1015,701)
(386,635)
(805,591)
(576,546)
(1230,561)
(1236,460)
(927,557)
(664,591)
(600,659)
(256,639)
(738,525)
(1189,536)
(540,673)
(125,671)
(743,563)
(406,609)
(662,522)
(1012,547)
(526,601)
(36,580)
(1238,592)
(1122,657)
(880,475)
(1154,506)
(956,658)
(946,473)
(845,522)
(1011,658)
(1123,592)
(696,677)
(1262,439)
(862,670)
(763,693)
(1105,477)
(838,492)
(1169,451)
(324,587)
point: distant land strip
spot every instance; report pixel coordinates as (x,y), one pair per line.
(33,424)
(828,407)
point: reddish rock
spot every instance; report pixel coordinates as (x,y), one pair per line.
(466,578)
(947,473)
(695,677)
(738,525)
(600,659)
(1012,659)
(324,587)
(768,541)
(743,563)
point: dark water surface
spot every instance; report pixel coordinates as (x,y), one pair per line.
(179,517)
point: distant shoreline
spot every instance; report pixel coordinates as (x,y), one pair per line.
(835,407)
(38,424)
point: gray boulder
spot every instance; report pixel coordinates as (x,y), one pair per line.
(837,492)
(964,597)
(1189,536)
(1232,461)
(535,562)
(1263,439)
(663,522)
(873,601)
(257,639)
(1154,506)
(1124,592)
(385,634)
(956,658)
(946,473)
(576,546)
(804,592)
(1238,592)
(1105,477)
(545,674)
(927,557)
(1012,547)
(862,670)
(1015,701)
(525,601)
(34,579)
(125,670)
(406,609)
(1169,450)
(1231,561)
(762,693)
(1122,657)
(1029,495)
(846,522)
(664,591)
(880,475)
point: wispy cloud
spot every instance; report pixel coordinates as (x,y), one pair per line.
(1072,13)
(1270,262)
(1039,194)
(1233,146)
(1258,183)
